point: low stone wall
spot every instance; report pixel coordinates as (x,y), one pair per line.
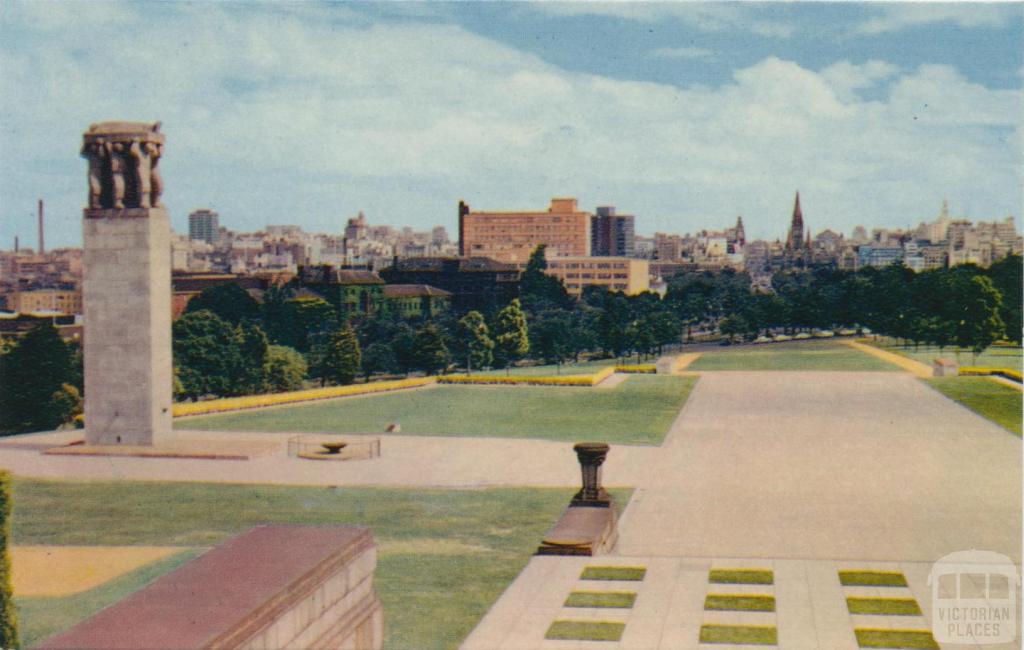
(271,587)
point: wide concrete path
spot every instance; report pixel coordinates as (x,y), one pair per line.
(827,465)
(801,473)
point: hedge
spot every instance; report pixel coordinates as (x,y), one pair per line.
(978,371)
(497,380)
(272,399)
(8,620)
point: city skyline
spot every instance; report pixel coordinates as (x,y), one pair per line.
(684,115)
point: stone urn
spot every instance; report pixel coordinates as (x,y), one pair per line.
(334,447)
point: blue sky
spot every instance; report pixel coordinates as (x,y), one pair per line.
(685,114)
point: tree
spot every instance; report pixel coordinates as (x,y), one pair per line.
(207,353)
(342,357)
(229,301)
(251,375)
(8,614)
(550,336)
(32,373)
(733,325)
(404,345)
(378,357)
(312,322)
(540,291)
(980,324)
(473,342)
(1007,278)
(285,369)
(431,351)
(511,337)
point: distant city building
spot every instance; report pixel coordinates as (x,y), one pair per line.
(416,300)
(203,225)
(349,291)
(512,236)
(626,274)
(475,282)
(61,301)
(612,234)
(875,255)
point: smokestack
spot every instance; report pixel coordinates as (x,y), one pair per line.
(15,243)
(42,242)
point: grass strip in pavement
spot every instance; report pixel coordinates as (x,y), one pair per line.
(872,579)
(622,599)
(585,631)
(740,602)
(912,639)
(739,634)
(741,576)
(883,606)
(633,573)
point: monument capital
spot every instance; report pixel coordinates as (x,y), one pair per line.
(123,159)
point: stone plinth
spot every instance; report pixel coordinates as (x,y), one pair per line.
(126,289)
(945,368)
(591,456)
(581,530)
(271,587)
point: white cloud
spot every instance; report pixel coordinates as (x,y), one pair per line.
(706,16)
(681,53)
(276,118)
(893,17)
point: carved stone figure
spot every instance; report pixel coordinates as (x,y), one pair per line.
(123,159)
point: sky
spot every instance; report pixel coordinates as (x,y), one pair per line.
(686,115)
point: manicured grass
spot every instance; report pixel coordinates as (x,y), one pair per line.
(585,630)
(915,639)
(883,606)
(624,599)
(996,356)
(804,355)
(631,573)
(741,577)
(989,399)
(40,618)
(639,411)
(872,579)
(739,634)
(444,555)
(740,603)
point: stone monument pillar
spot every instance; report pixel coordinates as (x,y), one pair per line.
(127,287)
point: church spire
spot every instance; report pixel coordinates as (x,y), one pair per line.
(795,241)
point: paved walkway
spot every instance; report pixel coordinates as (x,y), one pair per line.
(804,473)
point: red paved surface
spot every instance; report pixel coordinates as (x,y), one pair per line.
(218,591)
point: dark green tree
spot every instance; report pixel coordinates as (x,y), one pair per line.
(378,358)
(431,351)
(8,615)
(207,354)
(511,335)
(538,290)
(229,301)
(32,378)
(472,341)
(1006,277)
(285,369)
(980,324)
(550,336)
(342,357)
(251,375)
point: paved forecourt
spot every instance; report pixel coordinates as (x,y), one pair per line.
(804,474)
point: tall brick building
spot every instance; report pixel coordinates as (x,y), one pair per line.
(512,236)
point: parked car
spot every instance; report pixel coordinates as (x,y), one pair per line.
(782,337)
(846,331)
(763,339)
(801,336)
(823,334)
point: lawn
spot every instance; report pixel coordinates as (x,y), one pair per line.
(638,411)
(804,355)
(444,555)
(989,399)
(996,356)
